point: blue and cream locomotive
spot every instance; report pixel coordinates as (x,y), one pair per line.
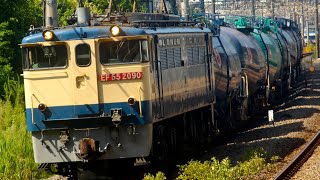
(118,90)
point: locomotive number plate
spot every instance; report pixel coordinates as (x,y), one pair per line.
(121,76)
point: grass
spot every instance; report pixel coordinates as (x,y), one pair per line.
(254,163)
(16,154)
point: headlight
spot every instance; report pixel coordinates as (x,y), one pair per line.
(47,35)
(42,107)
(131,101)
(115,30)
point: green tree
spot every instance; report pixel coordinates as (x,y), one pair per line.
(99,6)
(6,53)
(66,8)
(15,19)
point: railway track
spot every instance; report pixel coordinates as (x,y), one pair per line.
(300,159)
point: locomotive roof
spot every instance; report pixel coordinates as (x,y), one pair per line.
(94,32)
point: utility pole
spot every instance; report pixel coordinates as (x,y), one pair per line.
(272,7)
(109,8)
(307,21)
(213,6)
(289,9)
(163,7)
(150,6)
(302,21)
(317,30)
(185,9)
(253,9)
(202,10)
(294,11)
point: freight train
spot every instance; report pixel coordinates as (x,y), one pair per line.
(144,85)
(256,62)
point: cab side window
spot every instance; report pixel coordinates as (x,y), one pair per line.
(45,57)
(83,55)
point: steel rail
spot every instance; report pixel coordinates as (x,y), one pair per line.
(300,159)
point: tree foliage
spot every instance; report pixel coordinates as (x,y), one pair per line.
(6,53)
(15,19)
(66,8)
(100,6)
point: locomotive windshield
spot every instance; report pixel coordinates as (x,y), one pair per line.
(124,51)
(37,57)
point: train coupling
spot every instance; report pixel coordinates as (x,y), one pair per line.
(87,148)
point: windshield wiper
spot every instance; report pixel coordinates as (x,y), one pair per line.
(119,46)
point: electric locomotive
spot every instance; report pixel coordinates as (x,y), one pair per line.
(117,90)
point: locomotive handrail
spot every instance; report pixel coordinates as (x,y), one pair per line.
(32,113)
(140,106)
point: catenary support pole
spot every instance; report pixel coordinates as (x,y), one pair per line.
(213,6)
(307,21)
(302,20)
(253,10)
(316,24)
